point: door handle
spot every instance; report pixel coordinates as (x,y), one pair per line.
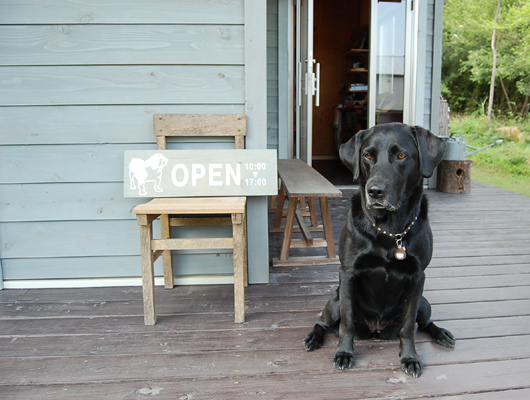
(316,83)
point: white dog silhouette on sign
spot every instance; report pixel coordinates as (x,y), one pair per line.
(143,171)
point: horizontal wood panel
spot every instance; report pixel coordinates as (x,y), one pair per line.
(63,370)
(92,124)
(119,85)
(103,11)
(74,163)
(94,238)
(69,163)
(367,383)
(112,267)
(65,201)
(70,239)
(121,44)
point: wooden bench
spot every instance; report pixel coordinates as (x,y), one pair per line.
(300,182)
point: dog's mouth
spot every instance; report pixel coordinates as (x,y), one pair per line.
(380,206)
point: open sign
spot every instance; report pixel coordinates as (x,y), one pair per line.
(182,173)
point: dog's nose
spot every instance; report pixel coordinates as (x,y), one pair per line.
(377,191)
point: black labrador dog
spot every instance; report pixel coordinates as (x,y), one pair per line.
(385,246)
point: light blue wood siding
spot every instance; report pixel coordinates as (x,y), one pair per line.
(272,74)
(79,84)
(432,64)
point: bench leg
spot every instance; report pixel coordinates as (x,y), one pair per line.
(326,223)
(279,207)
(312,212)
(238,222)
(148,280)
(289,225)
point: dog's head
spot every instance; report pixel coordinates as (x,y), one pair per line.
(389,160)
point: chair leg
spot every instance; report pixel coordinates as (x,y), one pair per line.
(167,258)
(238,222)
(245,247)
(148,279)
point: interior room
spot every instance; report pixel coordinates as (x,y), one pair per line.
(341,46)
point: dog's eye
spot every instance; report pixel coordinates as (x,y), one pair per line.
(401,156)
(368,156)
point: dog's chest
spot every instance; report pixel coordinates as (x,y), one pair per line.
(381,283)
(382,265)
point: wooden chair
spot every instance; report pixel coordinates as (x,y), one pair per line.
(193,211)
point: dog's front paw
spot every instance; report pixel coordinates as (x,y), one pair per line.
(445,338)
(441,336)
(343,360)
(412,367)
(313,341)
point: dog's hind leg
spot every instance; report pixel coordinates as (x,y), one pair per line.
(440,335)
(330,317)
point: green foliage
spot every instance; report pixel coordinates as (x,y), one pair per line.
(506,165)
(467,57)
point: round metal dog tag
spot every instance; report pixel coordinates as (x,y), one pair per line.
(400,253)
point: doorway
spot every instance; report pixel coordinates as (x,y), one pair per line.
(346,81)
(341,47)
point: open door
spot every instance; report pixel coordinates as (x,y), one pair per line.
(390,88)
(367,52)
(307,80)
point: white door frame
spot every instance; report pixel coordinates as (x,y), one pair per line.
(411,62)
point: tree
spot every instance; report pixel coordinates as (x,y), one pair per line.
(468,56)
(494,64)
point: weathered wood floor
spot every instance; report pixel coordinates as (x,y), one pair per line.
(92,344)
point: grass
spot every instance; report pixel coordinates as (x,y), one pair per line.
(506,165)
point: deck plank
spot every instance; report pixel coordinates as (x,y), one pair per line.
(92,343)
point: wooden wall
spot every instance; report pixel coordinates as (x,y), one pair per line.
(272,74)
(79,83)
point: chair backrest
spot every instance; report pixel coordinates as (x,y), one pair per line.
(199,125)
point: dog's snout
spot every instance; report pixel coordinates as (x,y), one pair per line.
(377,191)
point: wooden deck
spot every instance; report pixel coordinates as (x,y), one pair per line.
(92,343)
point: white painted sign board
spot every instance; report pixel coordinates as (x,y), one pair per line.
(187,173)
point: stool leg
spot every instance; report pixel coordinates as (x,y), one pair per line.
(148,280)
(239,267)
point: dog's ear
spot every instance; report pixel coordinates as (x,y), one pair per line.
(349,153)
(431,150)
